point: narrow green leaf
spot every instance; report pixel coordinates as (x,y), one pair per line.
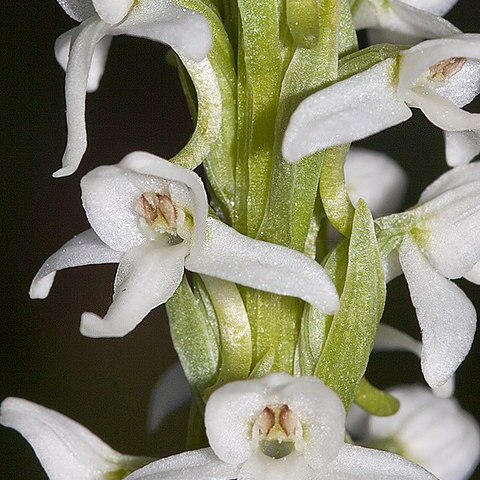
(375,401)
(302,20)
(234,329)
(264,366)
(333,190)
(192,337)
(350,339)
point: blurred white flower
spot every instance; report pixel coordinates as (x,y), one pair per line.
(441,243)
(437,76)
(278,428)
(434,432)
(409,18)
(377,179)
(151,217)
(66,449)
(83,51)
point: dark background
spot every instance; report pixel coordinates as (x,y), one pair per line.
(105,384)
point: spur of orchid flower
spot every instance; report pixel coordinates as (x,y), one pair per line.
(151,217)
(274,428)
(83,51)
(433,242)
(434,432)
(438,76)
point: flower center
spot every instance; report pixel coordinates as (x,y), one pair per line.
(446,69)
(277,431)
(161,216)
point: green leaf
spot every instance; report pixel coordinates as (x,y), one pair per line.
(192,337)
(350,339)
(375,401)
(264,366)
(234,329)
(302,20)
(333,190)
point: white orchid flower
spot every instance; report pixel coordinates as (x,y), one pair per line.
(409,18)
(277,428)
(434,432)
(441,243)
(82,52)
(151,217)
(377,179)
(66,449)
(437,76)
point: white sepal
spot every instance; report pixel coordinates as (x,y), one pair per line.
(66,449)
(79,10)
(112,11)
(446,316)
(461,147)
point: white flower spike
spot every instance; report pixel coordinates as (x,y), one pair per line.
(442,243)
(434,432)
(437,76)
(377,179)
(66,449)
(151,217)
(406,17)
(278,428)
(82,52)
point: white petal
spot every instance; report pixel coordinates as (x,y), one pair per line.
(375,36)
(83,249)
(261,467)
(65,449)
(438,7)
(436,432)
(418,59)
(149,164)
(233,408)
(196,465)
(391,266)
(265,266)
(474,274)
(112,11)
(456,177)
(441,111)
(390,339)
(358,463)
(398,16)
(461,147)
(450,226)
(80,59)
(169,393)
(166,22)
(147,276)
(97,67)
(377,179)
(79,10)
(346,111)
(446,316)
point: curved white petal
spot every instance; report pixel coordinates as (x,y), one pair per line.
(399,16)
(147,276)
(438,7)
(436,432)
(441,111)
(169,393)
(259,466)
(100,53)
(474,274)
(149,164)
(446,316)
(112,11)
(461,147)
(346,111)
(358,463)
(377,179)
(164,21)
(80,58)
(415,61)
(456,177)
(66,449)
(196,465)
(232,409)
(79,10)
(450,224)
(83,249)
(231,256)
